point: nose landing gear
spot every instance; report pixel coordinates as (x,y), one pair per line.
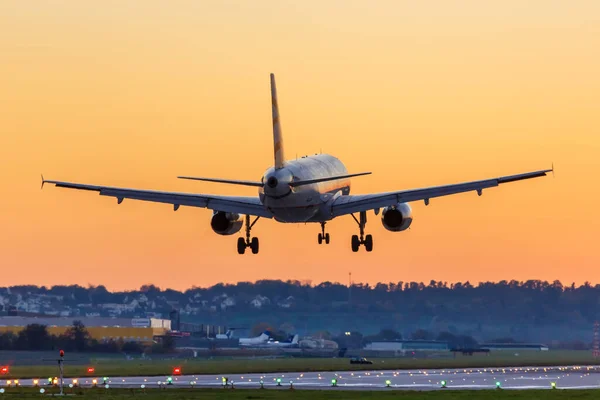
(367,240)
(323,236)
(251,242)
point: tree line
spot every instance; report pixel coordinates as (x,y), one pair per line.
(532,310)
(35,337)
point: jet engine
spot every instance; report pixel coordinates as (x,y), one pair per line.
(225,223)
(396,218)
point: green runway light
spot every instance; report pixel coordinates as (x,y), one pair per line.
(169,380)
(498,385)
(278,381)
(443,383)
(388,383)
(334,382)
(262,384)
(553,385)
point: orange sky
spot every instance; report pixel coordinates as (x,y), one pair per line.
(134,93)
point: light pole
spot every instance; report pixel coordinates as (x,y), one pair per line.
(61,360)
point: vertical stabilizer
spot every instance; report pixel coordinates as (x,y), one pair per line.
(277,134)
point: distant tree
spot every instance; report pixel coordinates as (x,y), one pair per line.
(447,337)
(34,337)
(168,344)
(389,334)
(149,289)
(287,327)
(355,340)
(111,346)
(421,334)
(8,341)
(77,337)
(260,328)
(503,340)
(466,342)
(132,347)
(322,335)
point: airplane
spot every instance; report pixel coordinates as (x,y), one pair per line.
(224,336)
(313,188)
(261,339)
(274,344)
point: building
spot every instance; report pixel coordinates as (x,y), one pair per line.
(402,346)
(514,346)
(103,329)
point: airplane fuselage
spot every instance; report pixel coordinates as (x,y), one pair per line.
(307,203)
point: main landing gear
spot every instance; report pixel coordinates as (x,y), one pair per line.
(367,240)
(248,241)
(323,236)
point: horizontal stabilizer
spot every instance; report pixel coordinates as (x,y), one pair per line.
(229,181)
(329,178)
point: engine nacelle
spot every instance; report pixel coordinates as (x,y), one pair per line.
(396,218)
(224,223)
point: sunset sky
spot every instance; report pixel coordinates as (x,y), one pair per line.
(421,93)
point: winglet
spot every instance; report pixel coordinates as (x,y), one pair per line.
(43,181)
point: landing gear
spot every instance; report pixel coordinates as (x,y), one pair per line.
(366,240)
(241,245)
(323,236)
(251,242)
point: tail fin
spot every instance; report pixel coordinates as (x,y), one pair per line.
(277,134)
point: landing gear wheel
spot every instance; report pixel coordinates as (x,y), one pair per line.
(369,243)
(323,236)
(248,241)
(356,240)
(241,245)
(254,245)
(355,243)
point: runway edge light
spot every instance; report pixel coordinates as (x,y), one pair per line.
(443,383)
(388,383)
(498,385)
(553,385)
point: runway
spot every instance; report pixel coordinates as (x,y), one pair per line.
(573,377)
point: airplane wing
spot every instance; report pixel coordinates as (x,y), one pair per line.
(236,204)
(344,205)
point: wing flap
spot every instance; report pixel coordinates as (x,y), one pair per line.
(237,204)
(350,204)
